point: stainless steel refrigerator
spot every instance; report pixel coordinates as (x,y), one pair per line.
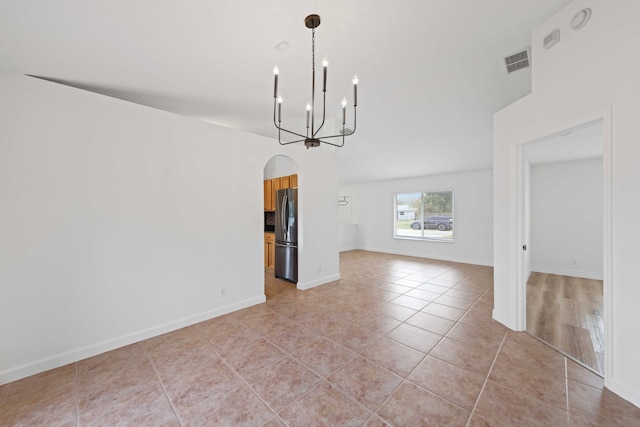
(287,234)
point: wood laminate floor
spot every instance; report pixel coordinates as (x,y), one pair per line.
(566,312)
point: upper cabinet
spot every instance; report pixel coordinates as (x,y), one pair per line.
(275,184)
(268,195)
(284,182)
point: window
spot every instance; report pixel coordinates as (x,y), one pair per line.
(426,216)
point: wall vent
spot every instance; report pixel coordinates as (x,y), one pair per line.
(552,39)
(517,61)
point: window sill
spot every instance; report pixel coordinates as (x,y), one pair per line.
(425,239)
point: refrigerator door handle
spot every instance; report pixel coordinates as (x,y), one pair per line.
(285,216)
(281,219)
(283,245)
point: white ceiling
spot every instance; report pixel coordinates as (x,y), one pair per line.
(431,71)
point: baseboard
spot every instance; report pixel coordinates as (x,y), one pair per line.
(73,356)
(567,272)
(502,318)
(347,249)
(431,256)
(624,392)
(312,284)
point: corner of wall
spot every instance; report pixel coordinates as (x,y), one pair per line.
(303,286)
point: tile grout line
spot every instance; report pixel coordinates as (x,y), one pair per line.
(164,389)
(325,380)
(357,354)
(406,378)
(566,387)
(374,413)
(322,379)
(244,381)
(4,392)
(484,384)
(76,393)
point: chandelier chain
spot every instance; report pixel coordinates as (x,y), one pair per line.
(313,49)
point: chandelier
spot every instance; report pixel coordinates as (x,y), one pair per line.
(311,138)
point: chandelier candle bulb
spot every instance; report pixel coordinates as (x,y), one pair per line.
(325,64)
(279,108)
(275,83)
(355,91)
(344,110)
(308,113)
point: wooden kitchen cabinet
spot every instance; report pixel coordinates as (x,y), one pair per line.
(275,185)
(269,250)
(268,195)
(271,186)
(284,182)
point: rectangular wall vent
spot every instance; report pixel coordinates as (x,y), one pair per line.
(552,39)
(517,61)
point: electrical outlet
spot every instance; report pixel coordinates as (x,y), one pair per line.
(319,268)
(223,292)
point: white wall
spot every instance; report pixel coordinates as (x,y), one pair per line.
(279,166)
(373,211)
(348,232)
(566,218)
(589,72)
(119,222)
(349,237)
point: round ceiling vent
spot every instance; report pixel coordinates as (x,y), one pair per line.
(581,18)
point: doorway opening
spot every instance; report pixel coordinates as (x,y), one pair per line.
(280,174)
(564,224)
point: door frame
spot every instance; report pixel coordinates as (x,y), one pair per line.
(520,220)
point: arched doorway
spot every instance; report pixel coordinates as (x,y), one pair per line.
(280,176)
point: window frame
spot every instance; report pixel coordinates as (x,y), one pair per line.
(434,234)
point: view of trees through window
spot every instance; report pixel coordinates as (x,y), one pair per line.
(426,215)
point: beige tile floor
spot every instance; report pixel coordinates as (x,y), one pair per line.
(397,341)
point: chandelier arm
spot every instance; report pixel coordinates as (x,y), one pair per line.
(324,109)
(354,120)
(275,102)
(343,135)
(331,143)
(289,142)
(275,123)
(291,132)
(334,136)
